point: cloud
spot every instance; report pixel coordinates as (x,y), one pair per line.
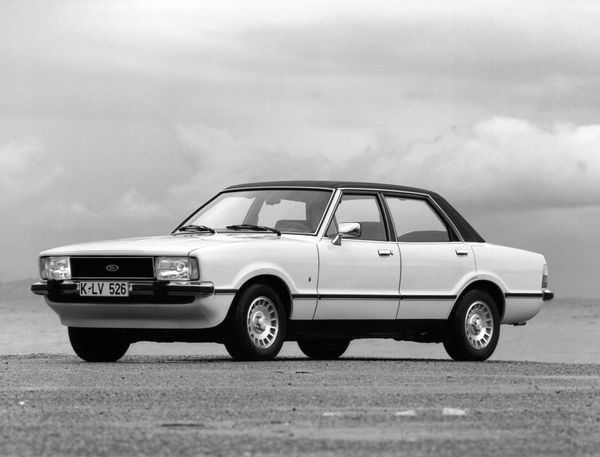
(497,163)
(134,205)
(132,209)
(24,173)
(309,153)
(508,163)
(182,60)
(532,51)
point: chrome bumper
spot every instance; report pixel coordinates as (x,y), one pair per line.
(136,289)
(547,295)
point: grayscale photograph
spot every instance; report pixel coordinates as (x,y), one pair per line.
(300,228)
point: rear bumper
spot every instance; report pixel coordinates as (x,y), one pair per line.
(520,307)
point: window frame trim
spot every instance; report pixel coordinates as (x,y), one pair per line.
(383,210)
(403,193)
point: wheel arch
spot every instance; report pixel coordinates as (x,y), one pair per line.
(274,282)
(488,286)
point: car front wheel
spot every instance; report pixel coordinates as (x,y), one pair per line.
(98,344)
(474,328)
(323,349)
(257,324)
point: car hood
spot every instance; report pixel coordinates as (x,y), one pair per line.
(159,245)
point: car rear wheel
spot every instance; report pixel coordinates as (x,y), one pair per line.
(474,327)
(323,349)
(98,344)
(257,324)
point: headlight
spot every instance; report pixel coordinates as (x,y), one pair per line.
(55,268)
(177,268)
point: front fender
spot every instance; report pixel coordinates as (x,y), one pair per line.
(259,269)
(229,267)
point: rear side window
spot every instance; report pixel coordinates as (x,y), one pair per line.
(415,221)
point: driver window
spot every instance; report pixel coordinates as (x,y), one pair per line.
(363,209)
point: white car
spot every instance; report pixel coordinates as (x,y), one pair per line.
(320,263)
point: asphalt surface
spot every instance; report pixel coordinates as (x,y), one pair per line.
(190,406)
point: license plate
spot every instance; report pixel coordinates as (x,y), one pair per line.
(104,289)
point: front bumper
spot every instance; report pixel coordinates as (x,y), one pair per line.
(150,305)
(55,289)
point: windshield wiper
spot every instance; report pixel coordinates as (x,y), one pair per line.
(262,228)
(195,228)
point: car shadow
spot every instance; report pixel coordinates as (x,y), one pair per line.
(220,359)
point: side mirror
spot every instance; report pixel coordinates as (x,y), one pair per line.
(346,230)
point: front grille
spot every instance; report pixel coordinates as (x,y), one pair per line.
(112,267)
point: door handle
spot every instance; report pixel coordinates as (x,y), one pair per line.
(385,252)
(461,251)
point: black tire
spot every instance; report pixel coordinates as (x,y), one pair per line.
(474,328)
(98,344)
(323,349)
(257,324)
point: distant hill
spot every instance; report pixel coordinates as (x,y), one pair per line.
(16,290)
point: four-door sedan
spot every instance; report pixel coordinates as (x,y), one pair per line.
(320,263)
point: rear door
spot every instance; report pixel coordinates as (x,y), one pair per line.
(435,262)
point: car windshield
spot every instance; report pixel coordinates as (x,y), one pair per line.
(286,210)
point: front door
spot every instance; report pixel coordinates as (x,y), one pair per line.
(359,278)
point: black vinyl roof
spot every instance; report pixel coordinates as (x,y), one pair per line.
(466,230)
(330,185)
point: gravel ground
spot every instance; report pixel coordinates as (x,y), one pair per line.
(190,406)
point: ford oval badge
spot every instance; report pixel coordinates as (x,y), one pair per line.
(112,268)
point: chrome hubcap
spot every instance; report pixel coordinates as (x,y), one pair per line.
(262,322)
(479,325)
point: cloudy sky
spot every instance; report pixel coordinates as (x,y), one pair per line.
(119,118)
